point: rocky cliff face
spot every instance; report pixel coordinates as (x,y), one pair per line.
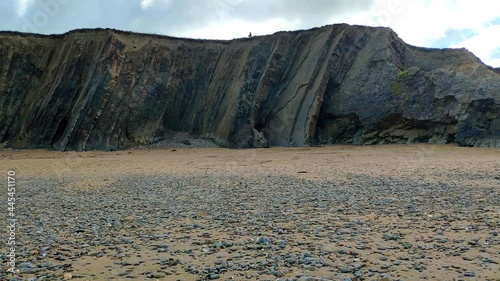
(107,89)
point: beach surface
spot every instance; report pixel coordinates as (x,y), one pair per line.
(393,212)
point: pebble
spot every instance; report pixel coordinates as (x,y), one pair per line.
(469,274)
(251,227)
(157,274)
(25,265)
(345,269)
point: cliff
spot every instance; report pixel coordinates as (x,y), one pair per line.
(107,89)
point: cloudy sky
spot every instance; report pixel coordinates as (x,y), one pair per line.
(474,25)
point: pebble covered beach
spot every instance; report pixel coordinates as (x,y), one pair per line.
(395,212)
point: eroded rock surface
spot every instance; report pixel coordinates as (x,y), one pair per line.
(107,89)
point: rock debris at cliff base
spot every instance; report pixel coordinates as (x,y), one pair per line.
(328,213)
(105,89)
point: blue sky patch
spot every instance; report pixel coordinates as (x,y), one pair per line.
(495,54)
(453,36)
(496,21)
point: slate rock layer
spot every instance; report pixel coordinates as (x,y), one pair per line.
(106,89)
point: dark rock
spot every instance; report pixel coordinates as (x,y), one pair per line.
(24,265)
(469,274)
(345,269)
(97,89)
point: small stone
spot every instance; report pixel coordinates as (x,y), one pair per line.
(344,231)
(68,276)
(309,267)
(345,269)
(262,240)
(157,274)
(26,265)
(488,260)
(406,245)
(278,273)
(58,273)
(469,274)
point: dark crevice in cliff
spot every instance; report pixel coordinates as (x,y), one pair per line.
(333,129)
(61,128)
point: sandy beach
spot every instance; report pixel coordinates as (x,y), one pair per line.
(394,212)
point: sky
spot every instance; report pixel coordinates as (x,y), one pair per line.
(474,25)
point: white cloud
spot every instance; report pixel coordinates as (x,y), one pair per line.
(484,44)
(420,22)
(22,6)
(146,3)
(423,22)
(493,62)
(237,28)
(427,23)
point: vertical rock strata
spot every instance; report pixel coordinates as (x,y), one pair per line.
(108,89)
